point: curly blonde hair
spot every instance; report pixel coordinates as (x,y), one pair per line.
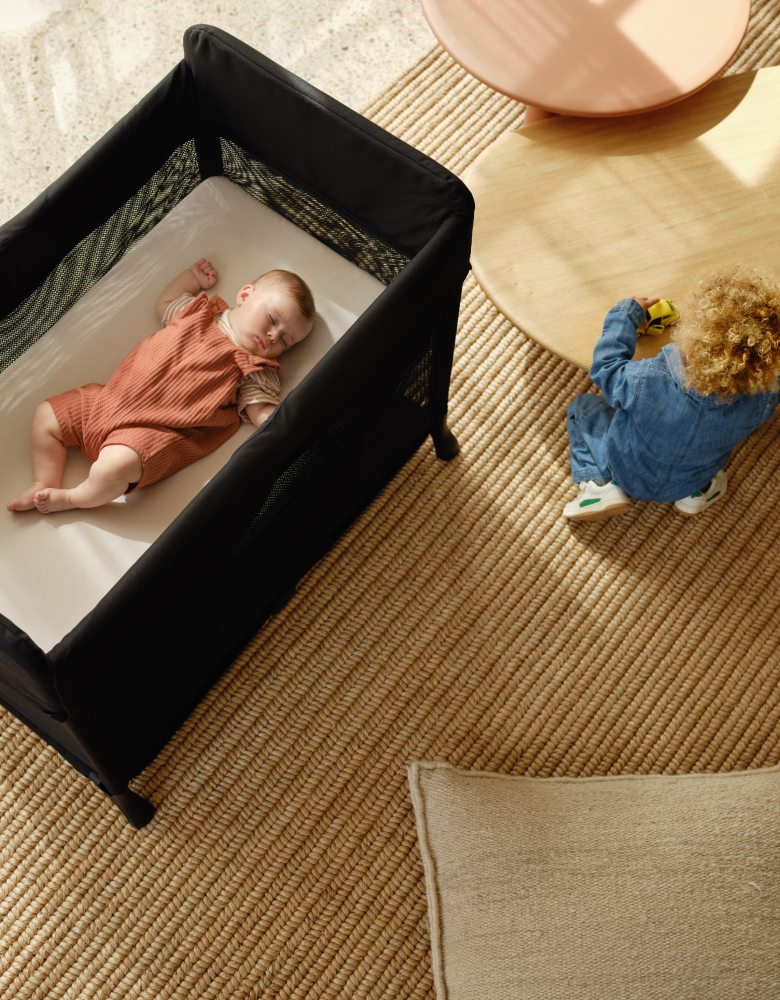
(730,334)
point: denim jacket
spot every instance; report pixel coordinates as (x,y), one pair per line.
(665,440)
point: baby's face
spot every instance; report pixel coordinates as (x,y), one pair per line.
(267,320)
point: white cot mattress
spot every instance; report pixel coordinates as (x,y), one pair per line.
(55,568)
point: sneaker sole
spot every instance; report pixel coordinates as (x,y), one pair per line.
(695,513)
(700,510)
(601,514)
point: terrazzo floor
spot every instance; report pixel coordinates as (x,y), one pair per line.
(72,68)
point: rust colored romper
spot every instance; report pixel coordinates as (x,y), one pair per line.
(172,400)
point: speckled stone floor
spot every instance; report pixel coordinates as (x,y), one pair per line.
(71,68)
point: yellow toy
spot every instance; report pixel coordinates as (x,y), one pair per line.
(664,313)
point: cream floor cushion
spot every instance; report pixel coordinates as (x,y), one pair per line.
(629,887)
(55,568)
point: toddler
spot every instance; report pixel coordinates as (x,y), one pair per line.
(665,426)
(177,396)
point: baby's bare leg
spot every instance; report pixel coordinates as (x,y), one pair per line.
(48,455)
(116,467)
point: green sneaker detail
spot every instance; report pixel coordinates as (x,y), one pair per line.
(712,497)
(587,503)
(694,495)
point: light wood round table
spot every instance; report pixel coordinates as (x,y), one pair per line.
(591,57)
(573,214)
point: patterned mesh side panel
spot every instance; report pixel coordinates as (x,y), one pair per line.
(413,382)
(97,253)
(311,215)
(301,468)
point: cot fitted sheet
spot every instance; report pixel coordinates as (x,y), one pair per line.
(55,568)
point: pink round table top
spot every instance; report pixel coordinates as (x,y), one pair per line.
(591,57)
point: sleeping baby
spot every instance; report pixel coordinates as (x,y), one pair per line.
(177,396)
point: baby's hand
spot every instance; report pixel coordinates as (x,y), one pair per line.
(205,273)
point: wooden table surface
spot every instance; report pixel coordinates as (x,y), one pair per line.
(575,213)
(591,57)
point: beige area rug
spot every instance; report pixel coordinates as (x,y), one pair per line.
(638,887)
(459,619)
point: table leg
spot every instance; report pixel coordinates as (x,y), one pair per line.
(534,114)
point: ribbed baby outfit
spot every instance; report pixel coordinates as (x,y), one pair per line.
(172,400)
(261,386)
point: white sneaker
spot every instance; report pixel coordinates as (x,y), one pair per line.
(595,503)
(698,502)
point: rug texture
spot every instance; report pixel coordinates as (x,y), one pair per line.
(642,887)
(460,619)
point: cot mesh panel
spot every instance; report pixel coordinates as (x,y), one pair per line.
(104,247)
(413,382)
(289,482)
(97,253)
(310,214)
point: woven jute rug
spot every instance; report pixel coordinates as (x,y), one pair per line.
(460,619)
(642,887)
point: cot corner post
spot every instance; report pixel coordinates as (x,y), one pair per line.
(444,441)
(209,152)
(137,810)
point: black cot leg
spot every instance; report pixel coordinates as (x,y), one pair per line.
(444,441)
(136,810)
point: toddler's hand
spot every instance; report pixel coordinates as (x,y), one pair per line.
(645,304)
(205,273)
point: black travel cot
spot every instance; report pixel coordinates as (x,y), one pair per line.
(114,689)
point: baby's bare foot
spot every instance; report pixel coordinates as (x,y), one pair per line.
(25,499)
(49,500)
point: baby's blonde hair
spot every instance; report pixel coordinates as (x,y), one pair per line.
(295,285)
(730,334)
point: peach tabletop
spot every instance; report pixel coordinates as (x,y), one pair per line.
(591,57)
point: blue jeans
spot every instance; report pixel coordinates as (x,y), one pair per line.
(587,421)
